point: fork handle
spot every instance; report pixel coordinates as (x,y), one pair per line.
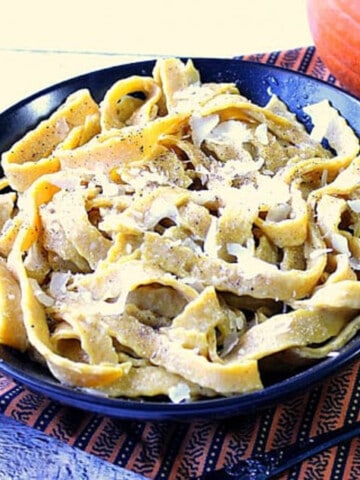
(294,454)
(274,462)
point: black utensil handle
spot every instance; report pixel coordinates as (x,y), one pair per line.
(296,453)
(272,463)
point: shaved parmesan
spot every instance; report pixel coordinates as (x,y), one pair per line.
(39,293)
(354,205)
(278,212)
(179,393)
(233,130)
(57,286)
(201,127)
(340,243)
(329,124)
(160,209)
(211,247)
(261,133)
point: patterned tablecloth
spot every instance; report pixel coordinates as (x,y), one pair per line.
(169,450)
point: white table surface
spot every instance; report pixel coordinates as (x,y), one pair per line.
(44,42)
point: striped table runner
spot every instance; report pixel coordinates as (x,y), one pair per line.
(174,451)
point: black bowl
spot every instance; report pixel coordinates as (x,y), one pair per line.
(255,81)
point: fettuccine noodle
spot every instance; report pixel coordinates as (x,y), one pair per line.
(177,242)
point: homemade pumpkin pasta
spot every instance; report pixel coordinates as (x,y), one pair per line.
(178,240)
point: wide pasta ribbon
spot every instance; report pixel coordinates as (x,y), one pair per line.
(226,378)
(31,157)
(112,148)
(34,318)
(120,107)
(249,276)
(294,329)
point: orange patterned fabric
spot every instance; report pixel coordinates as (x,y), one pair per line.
(175,451)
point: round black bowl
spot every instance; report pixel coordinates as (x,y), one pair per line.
(257,82)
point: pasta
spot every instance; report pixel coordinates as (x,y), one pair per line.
(180,242)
